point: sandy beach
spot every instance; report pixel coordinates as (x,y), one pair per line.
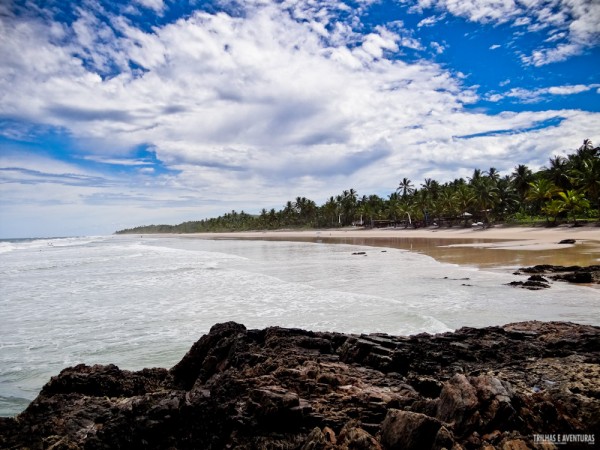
(492,247)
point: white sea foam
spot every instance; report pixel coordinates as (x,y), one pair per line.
(143,302)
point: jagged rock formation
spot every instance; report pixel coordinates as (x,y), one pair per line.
(292,389)
(571,274)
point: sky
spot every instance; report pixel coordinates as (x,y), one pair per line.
(119,114)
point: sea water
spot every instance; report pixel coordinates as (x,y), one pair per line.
(142,302)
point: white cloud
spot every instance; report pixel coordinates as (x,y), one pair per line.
(118,161)
(13,158)
(430,20)
(522,21)
(537,95)
(569,90)
(556,36)
(248,111)
(495,46)
(437,47)
(551,55)
(571,23)
(155,5)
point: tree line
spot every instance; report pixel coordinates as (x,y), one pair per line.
(567,189)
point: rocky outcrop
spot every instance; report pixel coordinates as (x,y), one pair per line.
(498,387)
(571,274)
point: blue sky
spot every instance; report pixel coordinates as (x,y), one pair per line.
(117,114)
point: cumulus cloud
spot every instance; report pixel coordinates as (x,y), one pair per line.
(537,95)
(280,101)
(430,20)
(571,25)
(155,5)
(437,47)
(214,82)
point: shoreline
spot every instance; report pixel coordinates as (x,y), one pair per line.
(490,248)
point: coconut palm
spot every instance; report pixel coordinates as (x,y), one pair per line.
(447,203)
(553,208)
(405,187)
(573,202)
(540,191)
(331,211)
(508,199)
(522,176)
(493,174)
(477,175)
(586,150)
(486,195)
(587,179)
(557,172)
(465,199)
(348,202)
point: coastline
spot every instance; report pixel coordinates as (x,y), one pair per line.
(496,247)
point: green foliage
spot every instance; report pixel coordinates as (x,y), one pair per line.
(568,189)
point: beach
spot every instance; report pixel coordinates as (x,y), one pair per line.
(486,248)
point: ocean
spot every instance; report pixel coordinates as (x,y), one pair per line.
(142,302)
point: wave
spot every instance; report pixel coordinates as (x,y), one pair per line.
(9,245)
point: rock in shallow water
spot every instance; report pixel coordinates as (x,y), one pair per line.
(295,389)
(571,274)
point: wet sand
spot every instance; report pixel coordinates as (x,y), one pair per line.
(490,248)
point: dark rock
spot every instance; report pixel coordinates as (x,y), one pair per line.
(289,388)
(406,430)
(568,241)
(354,437)
(571,274)
(532,285)
(575,277)
(539,278)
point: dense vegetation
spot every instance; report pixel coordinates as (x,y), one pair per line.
(568,189)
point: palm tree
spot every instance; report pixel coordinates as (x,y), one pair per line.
(331,210)
(553,208)
(508,199)
(540,191)
(573,202)
(493,174)
(557,172)
(465,199)
(477,175)
(401,211)
(583,153)
(289,213)
(273,219)
(521,177)
(587,179)
(405,187)
(586,150)
(431,190)
(431,185)
(349,198)
(486,195)
(447,203)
